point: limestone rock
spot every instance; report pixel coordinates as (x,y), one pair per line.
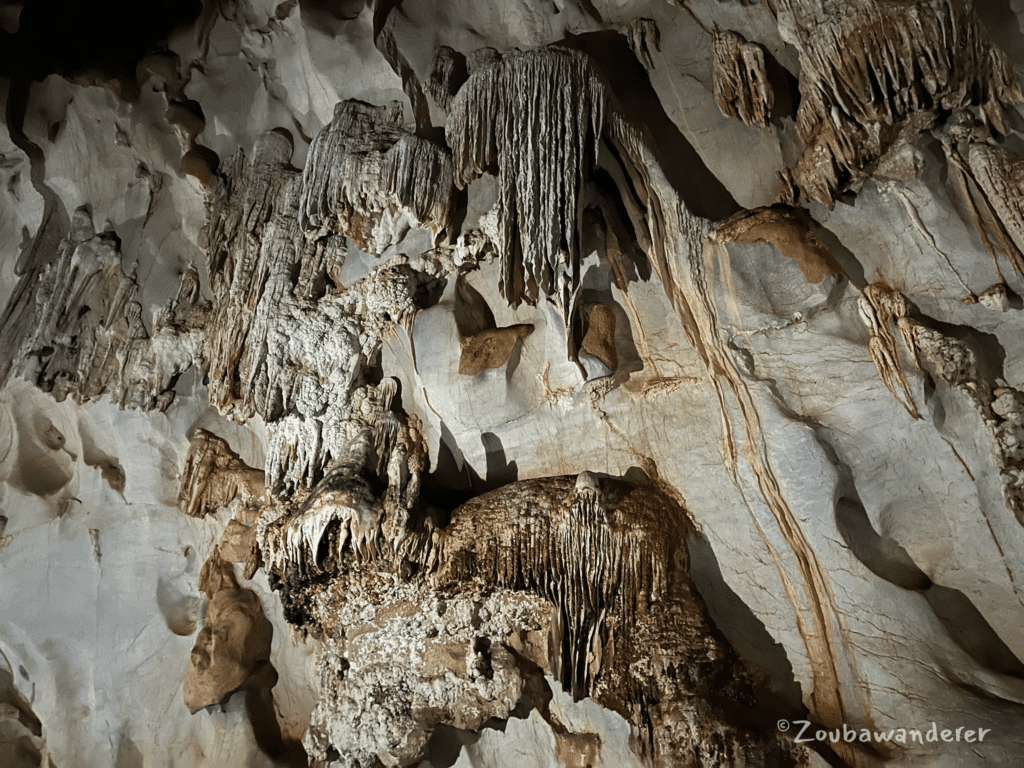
(88,337)
(460,384)
(233,645)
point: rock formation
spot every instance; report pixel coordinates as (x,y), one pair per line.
(869,68)
(489,385)
(742,88)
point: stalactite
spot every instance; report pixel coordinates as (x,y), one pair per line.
(76,327)
(447,74)
(278,332)
(742,88)
(534,119)
(865,67)
(643,35)
(377,443)
(341,183)
(214,476)
(990,183)
(419,174)
(881,306)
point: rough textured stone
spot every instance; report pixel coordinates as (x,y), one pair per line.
(501,384)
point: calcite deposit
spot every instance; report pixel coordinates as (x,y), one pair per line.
(493,385)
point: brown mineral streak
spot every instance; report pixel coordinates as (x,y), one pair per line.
(678,260)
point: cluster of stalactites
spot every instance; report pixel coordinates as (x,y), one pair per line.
(381,444)
(214,476)
(281,343)
(868,65)
(534,119)
(742,88)
(251,193)
(341,182)
(252,246)
(881,307)
(418,173)
(589,550)
(342,500)
(364,163)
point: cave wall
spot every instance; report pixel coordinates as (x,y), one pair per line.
(478,384)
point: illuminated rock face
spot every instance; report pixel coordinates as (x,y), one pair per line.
(512,384)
